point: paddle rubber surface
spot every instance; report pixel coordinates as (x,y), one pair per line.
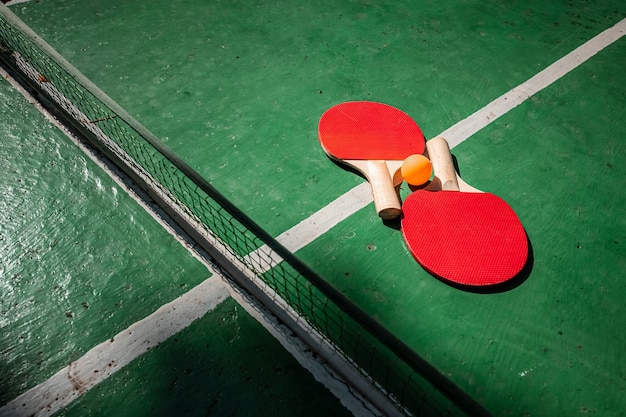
(472,239)
(364,130)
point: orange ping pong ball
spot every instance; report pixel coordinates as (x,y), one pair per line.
(416,169)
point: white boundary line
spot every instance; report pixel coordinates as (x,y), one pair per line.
(14,2)
(315,225)
(506,102)
(104,359)
(110,356)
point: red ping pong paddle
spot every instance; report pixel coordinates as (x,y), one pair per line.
(458,233)
(374,139)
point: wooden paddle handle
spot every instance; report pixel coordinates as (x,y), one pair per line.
(386,198)
(443,167)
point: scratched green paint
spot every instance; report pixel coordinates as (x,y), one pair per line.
(236,90)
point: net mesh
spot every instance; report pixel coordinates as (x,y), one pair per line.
(398,372)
